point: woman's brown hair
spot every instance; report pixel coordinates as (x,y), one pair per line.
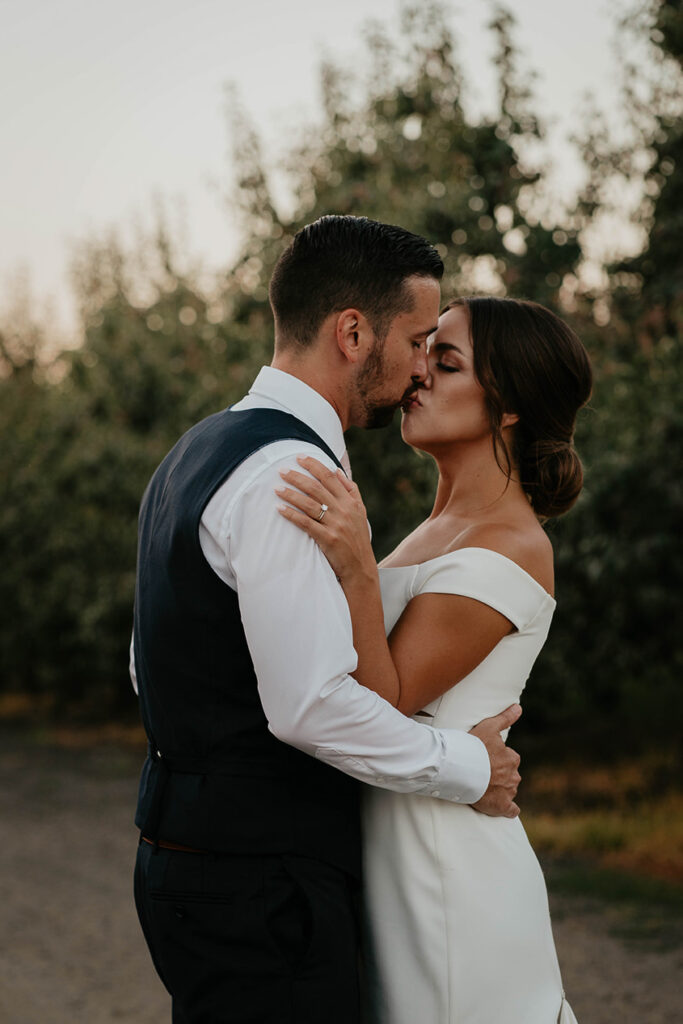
(529,362)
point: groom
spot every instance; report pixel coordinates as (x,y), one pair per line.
(249,854)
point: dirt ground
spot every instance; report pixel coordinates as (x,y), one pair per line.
(71,949)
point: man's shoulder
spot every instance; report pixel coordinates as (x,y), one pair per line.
(260,472)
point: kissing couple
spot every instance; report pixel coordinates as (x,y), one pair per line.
(326,813)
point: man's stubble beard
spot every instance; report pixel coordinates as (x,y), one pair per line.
(376,412)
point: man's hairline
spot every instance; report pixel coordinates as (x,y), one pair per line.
(282,341)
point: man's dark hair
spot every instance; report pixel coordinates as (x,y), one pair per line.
(341,262)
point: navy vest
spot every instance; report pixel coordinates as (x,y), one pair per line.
(215,778)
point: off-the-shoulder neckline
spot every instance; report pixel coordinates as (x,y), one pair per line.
(458,551)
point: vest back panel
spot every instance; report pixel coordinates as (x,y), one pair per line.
(216,778)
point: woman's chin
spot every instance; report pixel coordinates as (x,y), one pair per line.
(409,434)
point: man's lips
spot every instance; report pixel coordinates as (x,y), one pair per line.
(410,401)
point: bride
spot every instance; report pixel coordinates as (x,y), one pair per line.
(447,630)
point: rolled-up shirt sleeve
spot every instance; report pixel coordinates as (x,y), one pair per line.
(298,629)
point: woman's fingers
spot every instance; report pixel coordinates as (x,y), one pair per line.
(303,521)
(309,506)
(321,483)
(328,479)
(307,485)
(337,532)
(347,484)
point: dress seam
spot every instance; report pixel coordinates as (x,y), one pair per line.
(437,857)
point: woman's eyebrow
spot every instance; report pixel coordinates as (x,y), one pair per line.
(444,346)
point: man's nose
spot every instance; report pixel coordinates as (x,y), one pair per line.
(423,379)
(421,368)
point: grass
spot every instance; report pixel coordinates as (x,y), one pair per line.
(33,720)
(646,839)
(626,817)
(641,911)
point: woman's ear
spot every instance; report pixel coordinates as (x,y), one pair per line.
(508,420)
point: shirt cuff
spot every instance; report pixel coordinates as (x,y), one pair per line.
(465,771)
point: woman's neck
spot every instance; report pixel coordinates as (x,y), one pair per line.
(472,484)
(472,491)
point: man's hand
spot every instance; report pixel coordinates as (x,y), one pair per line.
(498,800)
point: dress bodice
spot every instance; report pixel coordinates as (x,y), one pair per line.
(497,581)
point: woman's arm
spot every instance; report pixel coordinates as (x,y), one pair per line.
(344,537)
(439,638)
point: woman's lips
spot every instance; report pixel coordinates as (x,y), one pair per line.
(410,403)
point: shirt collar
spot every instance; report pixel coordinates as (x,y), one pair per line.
(301,401)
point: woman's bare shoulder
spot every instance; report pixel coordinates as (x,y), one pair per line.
(527,544)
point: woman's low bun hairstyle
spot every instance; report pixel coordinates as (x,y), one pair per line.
(552,476)
(531,363)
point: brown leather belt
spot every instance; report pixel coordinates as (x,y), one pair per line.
(171,846)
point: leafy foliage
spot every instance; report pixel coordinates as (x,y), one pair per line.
(400,147)
(84,430)
(612,668)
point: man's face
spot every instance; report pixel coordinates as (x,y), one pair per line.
(396,365)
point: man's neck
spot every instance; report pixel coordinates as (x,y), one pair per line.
(318,377)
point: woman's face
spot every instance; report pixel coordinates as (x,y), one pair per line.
(450,406)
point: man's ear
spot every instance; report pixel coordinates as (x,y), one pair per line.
(508,420)
(353,334)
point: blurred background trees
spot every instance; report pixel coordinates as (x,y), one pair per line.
(83,430)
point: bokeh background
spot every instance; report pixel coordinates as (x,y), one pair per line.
(433,118)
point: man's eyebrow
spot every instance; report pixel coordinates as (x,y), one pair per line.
(425,334)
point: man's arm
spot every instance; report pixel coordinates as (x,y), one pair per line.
(298,629)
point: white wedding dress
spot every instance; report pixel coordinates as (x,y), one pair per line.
(459,928)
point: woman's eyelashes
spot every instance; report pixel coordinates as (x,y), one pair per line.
(447,368)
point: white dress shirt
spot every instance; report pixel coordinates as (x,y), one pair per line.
(298,626)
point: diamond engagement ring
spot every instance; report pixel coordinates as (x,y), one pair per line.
(323,510)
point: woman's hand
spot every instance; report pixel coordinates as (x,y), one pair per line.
(343,535)
(342,530)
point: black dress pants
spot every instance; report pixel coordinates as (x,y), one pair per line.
(262,940)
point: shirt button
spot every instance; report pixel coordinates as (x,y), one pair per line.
(436,792)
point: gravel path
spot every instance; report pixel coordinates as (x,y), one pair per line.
(70,946)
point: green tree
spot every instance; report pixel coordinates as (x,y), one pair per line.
(399,146)
(616,655)
(84,436)
(84,431)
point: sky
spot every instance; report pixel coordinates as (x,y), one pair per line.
(104,106)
